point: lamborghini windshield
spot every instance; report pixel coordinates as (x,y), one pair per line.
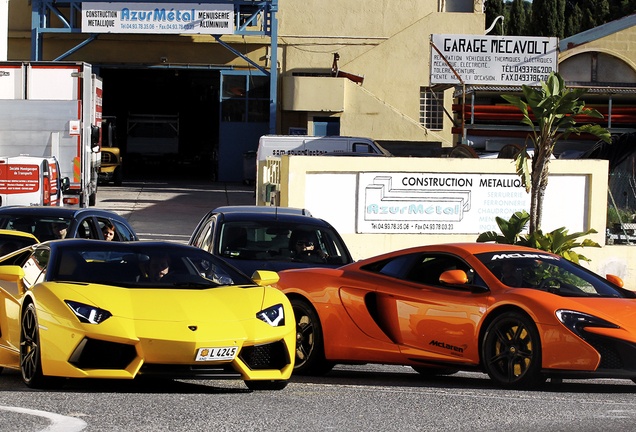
(549,273)
(150,265)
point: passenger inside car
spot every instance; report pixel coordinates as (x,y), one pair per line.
(233,239)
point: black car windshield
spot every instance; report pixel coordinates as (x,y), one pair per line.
(549,273)
(281,241)
(43,227)
(153,266)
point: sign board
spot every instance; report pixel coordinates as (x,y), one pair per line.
(493,60)
(447,203)
(19,178)
(158,18)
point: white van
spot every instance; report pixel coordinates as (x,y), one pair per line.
(30,181)
(278,145)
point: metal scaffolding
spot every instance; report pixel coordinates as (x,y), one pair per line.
(65,16)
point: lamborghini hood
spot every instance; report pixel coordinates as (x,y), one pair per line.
(209,305)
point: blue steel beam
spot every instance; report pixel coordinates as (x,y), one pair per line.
(246,12)
(78,47)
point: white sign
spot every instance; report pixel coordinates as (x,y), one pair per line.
(158,18)
(493,60)
(437,203)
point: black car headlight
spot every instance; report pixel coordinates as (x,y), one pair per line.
(577,321)
(88,314)
(273,315)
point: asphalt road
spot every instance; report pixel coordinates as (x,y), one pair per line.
(170,210)
(349,398)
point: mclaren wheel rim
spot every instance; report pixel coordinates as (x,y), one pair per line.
(511,351)
(29,345)
(305,336)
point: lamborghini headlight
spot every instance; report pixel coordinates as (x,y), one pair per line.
(273,315)
(577,321)
(88,314)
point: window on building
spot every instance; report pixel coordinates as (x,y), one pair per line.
(245,98)
(431,110)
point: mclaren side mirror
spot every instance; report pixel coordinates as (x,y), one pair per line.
(615,280)
(454,277)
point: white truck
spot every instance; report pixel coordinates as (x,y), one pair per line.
(30,181)
(272,147)
(54,109)
(277,145)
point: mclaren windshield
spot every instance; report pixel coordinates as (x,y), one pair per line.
(549,273)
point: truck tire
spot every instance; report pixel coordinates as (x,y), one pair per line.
(92,198)
(117,176)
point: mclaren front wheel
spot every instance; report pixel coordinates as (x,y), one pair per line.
(310,349)
(511,351)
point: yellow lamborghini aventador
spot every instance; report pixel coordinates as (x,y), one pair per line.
(95,309)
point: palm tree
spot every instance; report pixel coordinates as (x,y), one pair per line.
(554,108)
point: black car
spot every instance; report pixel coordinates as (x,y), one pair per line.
(50,223)
(270,238)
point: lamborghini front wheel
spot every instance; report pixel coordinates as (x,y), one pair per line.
(30,352)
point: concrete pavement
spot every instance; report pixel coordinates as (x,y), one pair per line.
(170,209)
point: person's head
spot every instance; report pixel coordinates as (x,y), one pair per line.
(303,244)
(108,230)
(511,274)
(59,229)
(158,267)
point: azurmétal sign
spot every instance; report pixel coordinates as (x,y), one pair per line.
(493,60)
(158,18)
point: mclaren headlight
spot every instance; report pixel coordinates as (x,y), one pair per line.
(88,314)
(273,315)
(577,321)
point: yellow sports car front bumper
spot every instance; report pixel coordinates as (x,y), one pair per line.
(183,342)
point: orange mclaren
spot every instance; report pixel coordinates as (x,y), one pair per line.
(519,314)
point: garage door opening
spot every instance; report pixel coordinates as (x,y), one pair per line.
(167,121)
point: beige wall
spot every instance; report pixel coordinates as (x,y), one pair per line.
(616,60)
(339,204)
(621,44)
(387,42)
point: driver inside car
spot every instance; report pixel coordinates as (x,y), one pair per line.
(511,275)
(306,250)
(158,266)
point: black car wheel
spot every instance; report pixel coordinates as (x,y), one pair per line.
(310,350)
(511,351)
(30,352)
(266,385)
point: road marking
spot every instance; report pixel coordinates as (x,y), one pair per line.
(59,423)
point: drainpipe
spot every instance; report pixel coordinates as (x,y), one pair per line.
(464,140)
